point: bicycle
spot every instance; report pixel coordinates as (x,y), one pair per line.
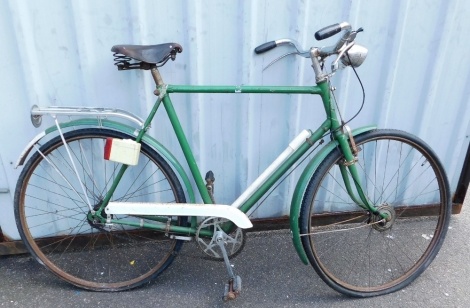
(106,207)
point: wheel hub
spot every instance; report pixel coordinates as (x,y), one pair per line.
(93,220)
(382,224)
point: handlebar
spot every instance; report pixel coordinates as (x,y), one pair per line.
(331,30)
(273,44)
(318,55)
(265,47)
(319,35)
(327,32)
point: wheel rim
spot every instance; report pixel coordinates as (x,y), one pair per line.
(357,252)
(53,214)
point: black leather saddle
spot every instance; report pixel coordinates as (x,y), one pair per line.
(152,54)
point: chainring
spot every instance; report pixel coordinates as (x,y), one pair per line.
(234,241)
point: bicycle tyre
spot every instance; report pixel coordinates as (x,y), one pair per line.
(51,213)
(349,248)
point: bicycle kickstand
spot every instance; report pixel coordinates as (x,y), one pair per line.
(234,285)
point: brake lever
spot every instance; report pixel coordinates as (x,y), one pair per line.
(279,58)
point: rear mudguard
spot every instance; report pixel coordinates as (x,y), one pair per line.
(131,131)
(302,186)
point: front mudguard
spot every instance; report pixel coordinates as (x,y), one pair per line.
(131,131)
(302,186)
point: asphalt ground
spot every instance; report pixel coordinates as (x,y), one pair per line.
(272,274)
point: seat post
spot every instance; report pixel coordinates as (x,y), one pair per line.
(156,76)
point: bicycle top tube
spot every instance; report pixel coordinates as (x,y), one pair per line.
(244,89)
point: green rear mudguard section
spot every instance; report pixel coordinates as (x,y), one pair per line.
(132,131)
(302,186)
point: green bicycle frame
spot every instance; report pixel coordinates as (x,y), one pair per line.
(331,124)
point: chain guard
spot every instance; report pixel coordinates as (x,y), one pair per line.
(234,242)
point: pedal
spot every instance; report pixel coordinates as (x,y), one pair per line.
(181,238)
(232,289)
(210,179)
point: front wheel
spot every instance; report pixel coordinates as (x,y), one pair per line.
(357,252)
(52,210)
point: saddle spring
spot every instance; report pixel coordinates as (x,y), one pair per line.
(124,62)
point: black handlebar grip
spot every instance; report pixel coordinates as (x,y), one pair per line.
(265,47)
(327,32)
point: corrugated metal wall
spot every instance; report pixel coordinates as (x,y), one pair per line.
(57,52)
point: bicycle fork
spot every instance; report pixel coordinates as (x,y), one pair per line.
(349,170)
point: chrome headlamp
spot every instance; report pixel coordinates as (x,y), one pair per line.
(357,54)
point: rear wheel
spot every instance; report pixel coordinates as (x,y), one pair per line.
(358,253)
(54,219)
